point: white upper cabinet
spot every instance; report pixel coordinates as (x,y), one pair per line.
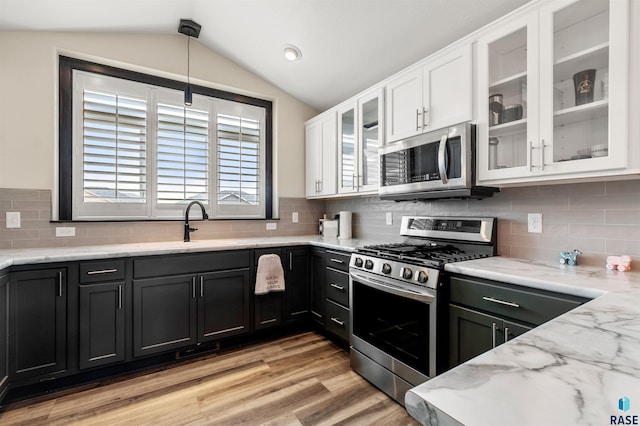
(432,96)
(552,93)
(359,132)
(320,145)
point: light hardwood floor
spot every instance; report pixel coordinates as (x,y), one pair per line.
(298,380)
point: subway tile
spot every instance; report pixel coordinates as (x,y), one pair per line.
(622,217)
(19,194)
(619,247)
(37,243)
(623,187)
(612,202)
(573,216)
(611,232)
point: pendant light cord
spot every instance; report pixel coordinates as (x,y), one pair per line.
(188,59)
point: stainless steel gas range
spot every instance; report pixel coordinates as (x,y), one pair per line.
(399,299)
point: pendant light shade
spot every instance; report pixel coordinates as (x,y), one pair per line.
(190,29)
(188,95)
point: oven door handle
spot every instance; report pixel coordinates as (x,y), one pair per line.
(442,160)
(424,296)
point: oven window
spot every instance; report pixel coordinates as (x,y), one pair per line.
(396,325)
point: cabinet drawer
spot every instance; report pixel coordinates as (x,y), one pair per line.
(531,306)
(338,260)
(338,286)
(161,266)
(108,270)
(338,320)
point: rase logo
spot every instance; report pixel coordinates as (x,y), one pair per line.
(624,405)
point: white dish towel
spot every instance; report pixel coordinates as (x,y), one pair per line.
(270,275)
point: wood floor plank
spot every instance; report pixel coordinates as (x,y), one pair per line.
(297,380)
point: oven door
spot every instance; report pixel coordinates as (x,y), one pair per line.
(393,325)
(430,162)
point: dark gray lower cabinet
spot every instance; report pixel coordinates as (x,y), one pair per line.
(37,323)
(297,283)
(267,307)
(164,314)
(318,278)
(473,333)
(484,314)
(175,312)
(102,324)
(4,328)
(223,304)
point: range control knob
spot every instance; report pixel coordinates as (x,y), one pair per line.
(423,277)
(386,269)
(358,262)
(368,264)
(407,273)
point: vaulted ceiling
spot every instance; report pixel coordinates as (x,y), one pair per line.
(347,45)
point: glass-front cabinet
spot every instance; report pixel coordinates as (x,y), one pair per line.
(552,88)
(359,133)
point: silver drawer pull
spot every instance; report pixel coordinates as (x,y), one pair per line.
(337,321)
(102,271)
(501,302)
(337,287)
(337,260)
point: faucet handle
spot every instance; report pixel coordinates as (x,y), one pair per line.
(193,229)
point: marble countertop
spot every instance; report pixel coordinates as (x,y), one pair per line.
(10,257)
(571,370)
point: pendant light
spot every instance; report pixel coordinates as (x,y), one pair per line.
(190,29)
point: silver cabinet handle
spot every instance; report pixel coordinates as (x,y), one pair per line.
(102,271)
(501,302)
(542,145)
(337,287)
(337,260)
(353,181)
(442,166)
(426,117)
(319,186)
(59,284)
(337,321)
(120,297)
(530,156)
(506,334)
(418,119)
(193,287)
(201,286)
(493,334)
(291,261)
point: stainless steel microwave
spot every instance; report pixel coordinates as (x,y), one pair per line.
(439,164)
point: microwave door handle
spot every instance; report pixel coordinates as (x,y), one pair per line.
(442,164)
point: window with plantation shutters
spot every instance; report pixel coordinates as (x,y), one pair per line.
(140,153)
(182,165)
(114,148)
(238,160)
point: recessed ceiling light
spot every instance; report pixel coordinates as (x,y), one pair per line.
(292,53)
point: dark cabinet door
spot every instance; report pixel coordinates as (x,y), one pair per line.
(223,304)
(37,323)
(512,330)
(296,264)
(102,324)
(471,333)
(267,307)
(164,314)
(318,289)
(4,326)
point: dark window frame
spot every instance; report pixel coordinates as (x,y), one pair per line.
(65,124)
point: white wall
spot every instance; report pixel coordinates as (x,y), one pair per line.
(29,86)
